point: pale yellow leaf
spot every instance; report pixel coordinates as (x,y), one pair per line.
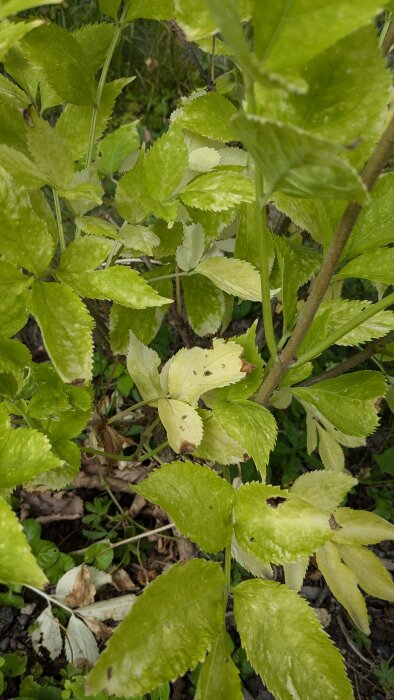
(182,423)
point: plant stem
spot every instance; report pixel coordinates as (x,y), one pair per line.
(124,458)
(371,172)
(227,552)
(360,357)
(178,295)
(354,322)
(49,598)
(59,221)
(135,538)
(171,276)
(131,409)
(103,77)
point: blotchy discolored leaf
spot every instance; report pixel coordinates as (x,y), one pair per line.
(236,277)
(323,489)
(142,365)
(217,445)
(310,666)
(218,190)
(276,526)
(193,494)
(182,423)
(371,575)
(210,116)
(361,527)
(178,631)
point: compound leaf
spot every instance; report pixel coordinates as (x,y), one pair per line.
(185,625)
(276,526)
(17,563)
(66,327)
(251,425)
(193,494)
(311,667)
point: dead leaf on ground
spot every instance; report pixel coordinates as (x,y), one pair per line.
(83,590)
(51,506)
(100,630)
(119,480)
(324,616)
(110,609)
(122,581)
(139,502)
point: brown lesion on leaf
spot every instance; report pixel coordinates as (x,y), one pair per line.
(207,373)
(109,673)
(186,447)
(333,524)
(247,367)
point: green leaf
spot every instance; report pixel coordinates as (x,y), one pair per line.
(196,19)
(24,453)
(297,163)
(96,226)
(361,527)
(13,299)
(193,372)
(217,445)
(155,9)
(375,265)
(59,56)
(348,402)
(12,32)
(210,116)
(206,318)
(343,584)
(24,239)
(95,40)
(24,172)
(83,255)
(331,453)
(323,489)
(12,95)
(276,526)
(349,72)
(74,122)
(371,575)
(142,365)
(249,385)
(228,19)
(185,624)
(12,7)
(219,676)
(373,227)
(279,25)
(236,277)
(63,476)
(249,562)
(219,190)
(17,563)
(297,265)
(165,164)
(110,7)
(317,216)
(192,494)
(295,573)
(116,146)
(182,423)
(14,356)
(66,327)
(251,425)
(51,154)
(191,250)
(139,239)
(331,315)
(311,667)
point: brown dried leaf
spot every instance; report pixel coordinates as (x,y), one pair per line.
(101,631)
(122,581)
(83,590)
(51,506)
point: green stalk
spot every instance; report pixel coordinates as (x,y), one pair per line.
(227,551)
(124,458)
(103,77)
(59,221)
(131,409)
(356,321)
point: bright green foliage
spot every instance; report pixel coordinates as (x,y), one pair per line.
(351,71)
(185,625)
(304,655)
(14,356)
(251,425)
(204,318)
(20,167)
(24,239)
(323,489)
(276,526)
(219,676)
(361,527)
(59,56)
(343,584)
(210,116)
(348,402)
(13,296)
(376,265)
(155,9)
(51,154)
(297,265)
(191,250)
(12,32)
(12,7)
(278,27)
(192,495)
(97,227)
(142,365)
(217,445)
(24,453)
(236,277)
(116,146)
(17,563)
(374,225)
(251,382)
(296,163)
(67,335)
(95,40)
(219,190)
(334,314)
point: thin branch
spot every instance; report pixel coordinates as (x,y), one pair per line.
(371,172)
(189,49)
(353,361)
